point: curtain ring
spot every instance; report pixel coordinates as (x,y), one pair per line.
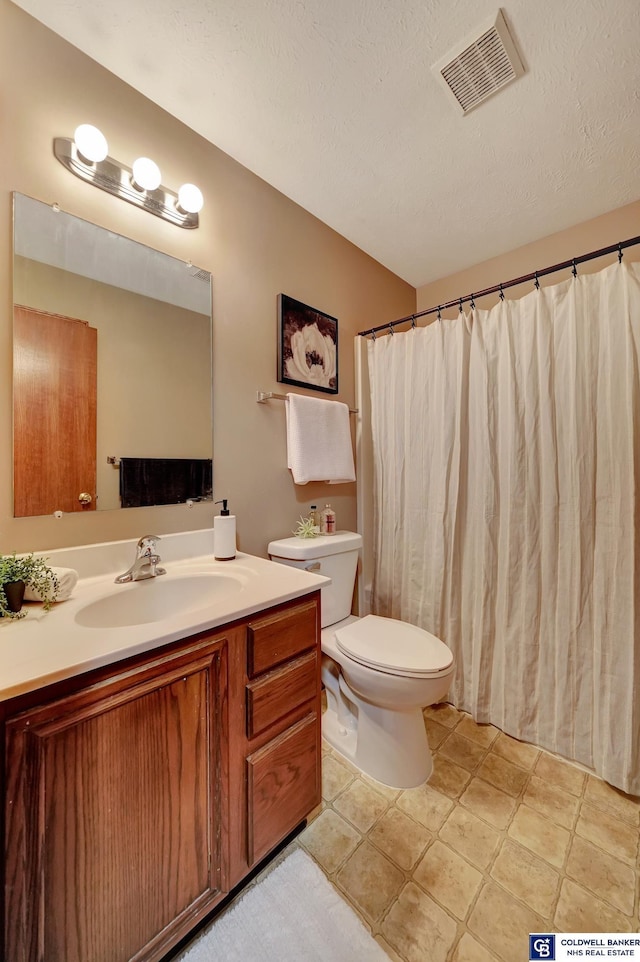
(391,329)
(413,322)
(620,253)
(439,313)
(537,282)
(373,335)
(472,304)
(574,269)
(460,305)
(501,292)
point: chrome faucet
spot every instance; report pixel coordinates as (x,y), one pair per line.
(146,561)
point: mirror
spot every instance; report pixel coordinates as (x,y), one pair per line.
(112,365)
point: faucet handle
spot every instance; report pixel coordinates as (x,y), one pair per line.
(148,541)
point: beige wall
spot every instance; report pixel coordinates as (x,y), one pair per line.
(256,244)
(617,225)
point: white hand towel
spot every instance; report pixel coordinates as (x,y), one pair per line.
(318,440)
(67,580)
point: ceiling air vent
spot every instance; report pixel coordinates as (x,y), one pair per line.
(486,64)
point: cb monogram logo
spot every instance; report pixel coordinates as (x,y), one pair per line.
(542,947)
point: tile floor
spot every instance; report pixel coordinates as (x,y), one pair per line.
(504,840)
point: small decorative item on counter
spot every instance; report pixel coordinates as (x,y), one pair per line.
(328,525)
(16,573)
(306,528)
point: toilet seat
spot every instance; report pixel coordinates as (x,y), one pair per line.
(394,647)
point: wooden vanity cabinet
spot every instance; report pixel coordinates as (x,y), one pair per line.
(137,796)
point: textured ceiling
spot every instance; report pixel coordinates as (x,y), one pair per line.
(334,103)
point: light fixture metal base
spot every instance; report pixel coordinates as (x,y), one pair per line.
(116,179)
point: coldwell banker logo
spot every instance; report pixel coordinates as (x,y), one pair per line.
(542,947)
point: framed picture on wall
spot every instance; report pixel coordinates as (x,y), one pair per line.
(307,346)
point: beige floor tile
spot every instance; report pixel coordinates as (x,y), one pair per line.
(400,838)
(520,753)
(427,806)
(370,881)
(607,877)
(608,798)
(488,802)
(417,928)
(335,776)
(448,878)
(469,949)
(393,955)
(436,733)
(555,803)
(503,923)
(471,837)
(389,793)
(540,835)
(503,774)
(488,840)
(462,751)
(560,773)
(444,714)
(579,911)
(618,838)
(448,778)
(344,761)
(526,876)
(330,840)
(361,804)
(481,734)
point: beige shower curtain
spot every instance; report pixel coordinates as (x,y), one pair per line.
(507,519)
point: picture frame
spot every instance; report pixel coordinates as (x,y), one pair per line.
(307,346)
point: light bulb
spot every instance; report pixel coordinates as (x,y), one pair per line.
(146,174)
(91,143)
(190,198)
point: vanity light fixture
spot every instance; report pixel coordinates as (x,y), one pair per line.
(86,156)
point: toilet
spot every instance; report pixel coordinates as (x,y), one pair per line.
(379,673)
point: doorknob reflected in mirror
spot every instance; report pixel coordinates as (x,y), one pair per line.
(84,497)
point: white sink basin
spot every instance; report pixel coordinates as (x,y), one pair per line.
(155,599)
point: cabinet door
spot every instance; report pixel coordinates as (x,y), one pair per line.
(114,813)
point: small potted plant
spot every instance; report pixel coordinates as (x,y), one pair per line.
(18,572)
(306,528)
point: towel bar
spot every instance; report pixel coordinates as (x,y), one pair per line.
(264,396)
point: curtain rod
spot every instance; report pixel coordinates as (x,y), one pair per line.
(458,301)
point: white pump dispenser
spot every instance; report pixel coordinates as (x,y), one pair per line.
(224,534)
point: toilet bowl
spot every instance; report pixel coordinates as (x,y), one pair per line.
(378,673)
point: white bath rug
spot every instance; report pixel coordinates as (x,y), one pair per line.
(294,914)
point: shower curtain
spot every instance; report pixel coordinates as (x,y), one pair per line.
(507,520)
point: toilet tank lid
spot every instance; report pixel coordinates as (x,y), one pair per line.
(301,549)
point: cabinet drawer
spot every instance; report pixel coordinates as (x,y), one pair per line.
(277,694)
(280,636)
(283,785)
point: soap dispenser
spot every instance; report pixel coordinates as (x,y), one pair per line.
(224,534)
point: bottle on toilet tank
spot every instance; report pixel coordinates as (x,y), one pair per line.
(224,534)
(328,525)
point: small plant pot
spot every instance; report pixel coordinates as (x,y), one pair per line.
(14,593)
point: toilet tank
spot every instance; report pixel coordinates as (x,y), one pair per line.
(337,556)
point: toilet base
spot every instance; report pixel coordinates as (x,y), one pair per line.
(390,746)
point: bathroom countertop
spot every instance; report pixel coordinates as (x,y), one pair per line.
(45,647)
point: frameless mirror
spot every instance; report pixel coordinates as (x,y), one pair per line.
(112,361)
